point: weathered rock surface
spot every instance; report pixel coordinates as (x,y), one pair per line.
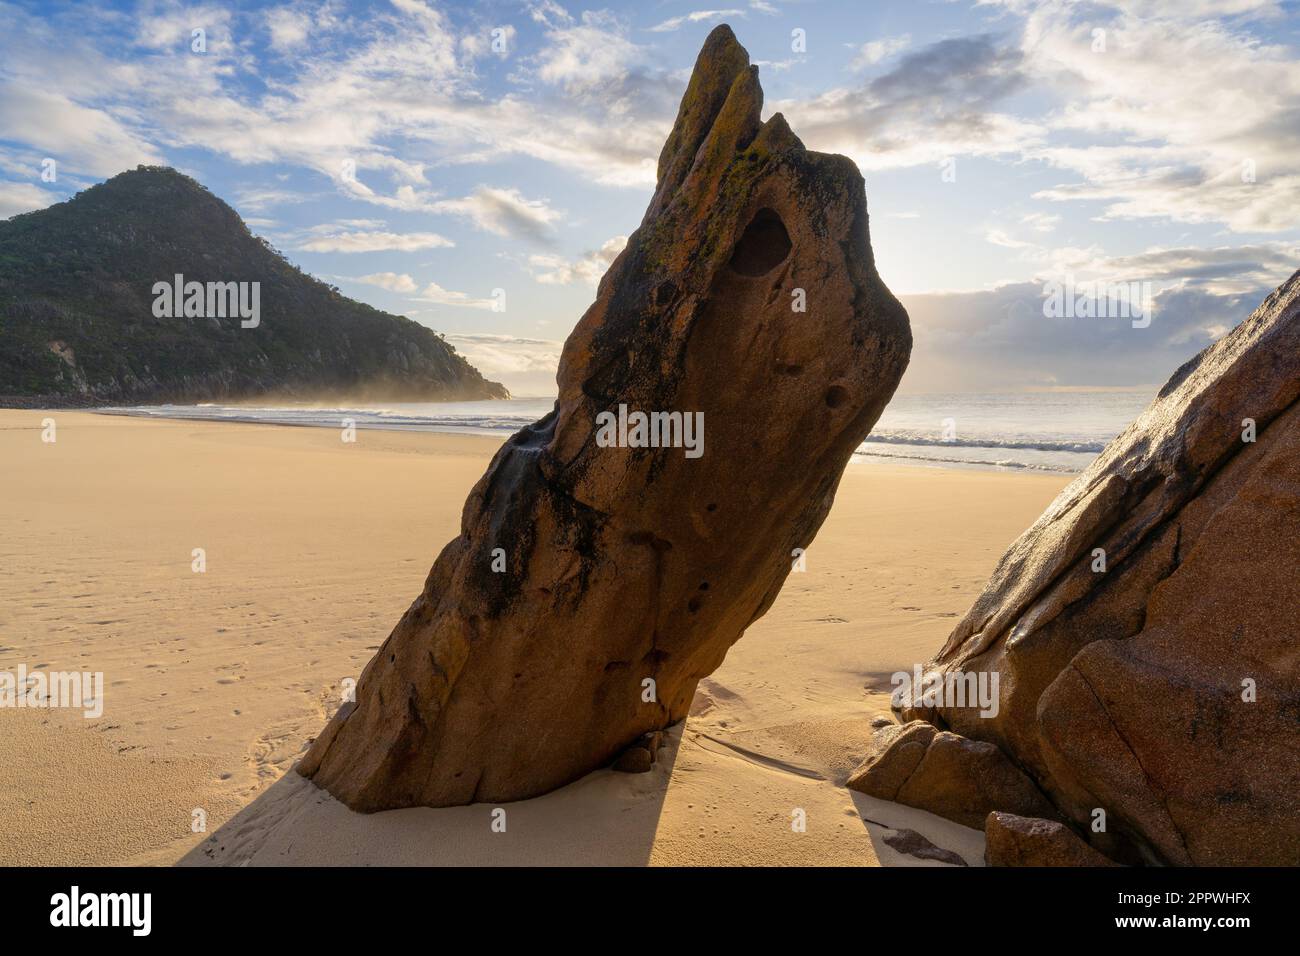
(625,566)
(914,844)
(636,759)
(643,754)
(1164,690)
(1012,840)
(962,780)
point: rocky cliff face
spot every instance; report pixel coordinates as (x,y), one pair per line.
(1146,629)
(595,582)
(79,323)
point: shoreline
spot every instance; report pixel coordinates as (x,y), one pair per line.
(214,681)
(490,436)
(869,450)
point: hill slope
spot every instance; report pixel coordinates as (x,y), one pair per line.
(78,323)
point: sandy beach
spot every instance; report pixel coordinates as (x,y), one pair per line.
(215,681)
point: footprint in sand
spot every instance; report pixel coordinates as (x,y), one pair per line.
(271,754)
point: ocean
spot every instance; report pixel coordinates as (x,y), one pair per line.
(1057,431)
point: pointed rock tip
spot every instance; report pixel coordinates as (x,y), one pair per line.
(722,59)
(777,134)
(720,35)
(722,55)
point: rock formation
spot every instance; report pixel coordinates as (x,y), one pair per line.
(1146,629)
(963,780)
(593,585)
(914,844)
(1024,841)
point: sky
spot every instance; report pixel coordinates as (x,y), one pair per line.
(433,159)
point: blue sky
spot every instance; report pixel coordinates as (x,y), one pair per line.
(392,149)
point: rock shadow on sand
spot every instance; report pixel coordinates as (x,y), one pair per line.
(606,818)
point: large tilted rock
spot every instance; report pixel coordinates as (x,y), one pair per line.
(1164,690)
(626,566)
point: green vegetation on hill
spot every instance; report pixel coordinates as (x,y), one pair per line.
(77,323)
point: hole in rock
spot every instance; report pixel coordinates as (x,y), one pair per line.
(836,396)
(650,539)
(763,246)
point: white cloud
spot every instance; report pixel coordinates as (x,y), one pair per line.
(582,57)
(1219,270)
(392,281)
(697,16)
(420,10)
(81,139)
(437,294)
(869,54)
(258,199)
(289,28)
(1040,221)
(939,101)
(1178,115)
(169,25)
(999,340)
(403,81)
(526,366)
(18,198)
(1198,117)
(366,240)
(508,354)
(999,238)
(555,270)
(480,42)
(505,212)
(548,13)
(501,211)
